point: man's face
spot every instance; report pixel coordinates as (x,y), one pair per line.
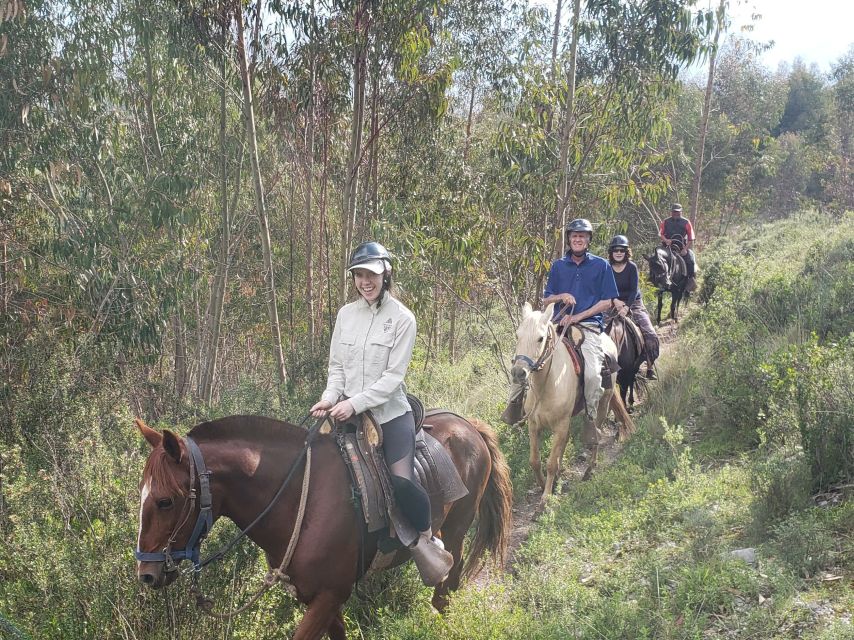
(579,241)
(675,213)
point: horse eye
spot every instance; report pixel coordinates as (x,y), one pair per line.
(540,339)
(164,503)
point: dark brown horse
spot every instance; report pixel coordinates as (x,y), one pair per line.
(667,271)
(631,353)
(247,458)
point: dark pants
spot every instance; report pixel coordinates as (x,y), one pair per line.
(650,337)
(690,265)
(399,451)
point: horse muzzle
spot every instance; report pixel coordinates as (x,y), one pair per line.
(155,575)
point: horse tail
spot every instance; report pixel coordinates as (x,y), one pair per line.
(494,518)
(627,425)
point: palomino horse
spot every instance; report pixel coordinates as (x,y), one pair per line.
(668,273)
(632,352)
(553,388)
(240,462)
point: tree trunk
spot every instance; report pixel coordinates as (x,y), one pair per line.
(4,276)
(704,124)
(351,178)
(566,133)
(249,116)
(309,223)
(469,121)
(553,76)
(214,321)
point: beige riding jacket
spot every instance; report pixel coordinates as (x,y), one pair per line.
(368,357)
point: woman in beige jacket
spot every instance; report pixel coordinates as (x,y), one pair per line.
(370,351)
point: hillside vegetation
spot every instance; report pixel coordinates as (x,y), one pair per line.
(745,442)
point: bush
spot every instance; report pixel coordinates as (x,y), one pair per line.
(780,486)
(804,542)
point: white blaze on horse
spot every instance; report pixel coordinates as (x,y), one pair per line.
(554,392)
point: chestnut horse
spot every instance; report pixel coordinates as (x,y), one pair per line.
(246,458)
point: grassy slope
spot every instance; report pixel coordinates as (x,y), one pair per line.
(643,549)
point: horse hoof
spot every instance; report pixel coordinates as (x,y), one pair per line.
(587,474)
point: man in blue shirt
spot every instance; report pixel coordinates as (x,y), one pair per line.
(586,283)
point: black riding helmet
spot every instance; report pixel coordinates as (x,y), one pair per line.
(618,242)
(580,224)
(369,252)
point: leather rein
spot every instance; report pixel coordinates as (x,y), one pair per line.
(204,519)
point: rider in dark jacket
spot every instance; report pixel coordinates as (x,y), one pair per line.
(629,300)
(678,228)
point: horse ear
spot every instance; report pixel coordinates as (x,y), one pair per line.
(549,311)
(527,310)
(151,436)
(172,445)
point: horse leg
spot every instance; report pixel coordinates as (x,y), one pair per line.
(454,530)
(561,436)
(534,458)
(336,628)
(321,615)
(660,295)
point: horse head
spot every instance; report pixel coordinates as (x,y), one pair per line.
(531,341)
(659,268)
(167,515)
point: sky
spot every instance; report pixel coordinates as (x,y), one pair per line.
(817,31)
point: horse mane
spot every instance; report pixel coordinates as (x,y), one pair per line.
(240,427)
(160,467)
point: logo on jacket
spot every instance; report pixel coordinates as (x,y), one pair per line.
(387,325)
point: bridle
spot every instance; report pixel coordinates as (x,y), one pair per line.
(549,347)
(204,520)
(545,354)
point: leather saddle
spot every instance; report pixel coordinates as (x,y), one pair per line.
(360,442)
(573,341)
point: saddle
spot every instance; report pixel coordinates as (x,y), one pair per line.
(573,341)
(360,442)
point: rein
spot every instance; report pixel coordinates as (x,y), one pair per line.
(204,522)
(546,355)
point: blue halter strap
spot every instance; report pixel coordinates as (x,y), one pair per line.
(204,521)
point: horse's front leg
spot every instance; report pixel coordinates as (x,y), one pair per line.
(559,440)
(660,295)
(322,615)
(534,457)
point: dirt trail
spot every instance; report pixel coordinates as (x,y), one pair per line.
(526,504)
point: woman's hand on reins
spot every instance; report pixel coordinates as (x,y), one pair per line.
(321,408)
(342,410)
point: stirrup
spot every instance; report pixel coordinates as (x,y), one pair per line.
(433,562)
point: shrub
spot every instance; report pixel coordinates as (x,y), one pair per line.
(780,485)
(804,542)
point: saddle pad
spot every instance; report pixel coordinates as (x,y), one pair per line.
(632,326)
(573,355)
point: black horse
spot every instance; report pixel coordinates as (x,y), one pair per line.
(631,353)
(667,272)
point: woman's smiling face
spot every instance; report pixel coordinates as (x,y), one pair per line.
(368,284)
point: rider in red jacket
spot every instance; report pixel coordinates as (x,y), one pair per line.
(675,226)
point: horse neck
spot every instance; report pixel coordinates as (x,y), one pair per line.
(246,473)
(559,366)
